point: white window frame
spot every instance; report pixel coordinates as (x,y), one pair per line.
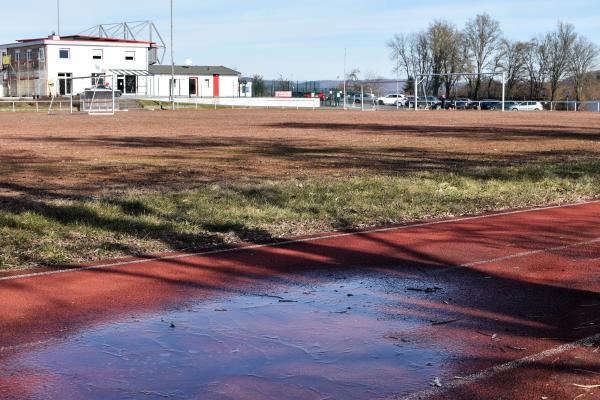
(42,54)
(97,54)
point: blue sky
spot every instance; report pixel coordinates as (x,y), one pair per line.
(300,39)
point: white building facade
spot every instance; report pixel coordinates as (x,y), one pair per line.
(67,65)
(70,64)
(194,81)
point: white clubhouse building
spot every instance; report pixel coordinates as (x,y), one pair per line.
(66,65)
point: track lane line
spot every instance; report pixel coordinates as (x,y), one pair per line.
(520,255)
(289,242)
(498,369)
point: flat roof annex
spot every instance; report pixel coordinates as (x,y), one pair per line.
(202,70)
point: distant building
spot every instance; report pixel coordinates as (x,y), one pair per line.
(70,64)
(65,65)
(194,81)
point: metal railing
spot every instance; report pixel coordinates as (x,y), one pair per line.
(62,105)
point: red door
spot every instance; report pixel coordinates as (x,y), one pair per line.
(216,85)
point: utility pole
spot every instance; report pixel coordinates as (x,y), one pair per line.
(172,63)
(345,55)
(58,16)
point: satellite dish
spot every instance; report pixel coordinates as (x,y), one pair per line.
(189,62)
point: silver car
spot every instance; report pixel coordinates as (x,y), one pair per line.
(527,106)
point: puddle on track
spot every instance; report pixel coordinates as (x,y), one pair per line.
(304,342)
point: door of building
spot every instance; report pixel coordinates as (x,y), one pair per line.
(193,86)
(65,83)
(121,84)
(130,84)
(216,85)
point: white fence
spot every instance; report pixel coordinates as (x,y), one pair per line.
(68,105)
(243,102)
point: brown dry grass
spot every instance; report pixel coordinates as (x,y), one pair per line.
(58,155)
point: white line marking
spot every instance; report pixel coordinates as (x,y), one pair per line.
(522,254)
(288,242)
(498,369)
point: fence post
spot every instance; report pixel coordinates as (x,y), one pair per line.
(14,109)
(37,106)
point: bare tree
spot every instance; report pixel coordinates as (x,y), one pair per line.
(481,36)
(559,45)
(445,41)
(513,59)
(412,53)
(353,77)
(583,59)
(536,66)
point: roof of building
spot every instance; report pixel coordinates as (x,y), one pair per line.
(83,38)
(192,70)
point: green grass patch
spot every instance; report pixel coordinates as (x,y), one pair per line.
(42,231)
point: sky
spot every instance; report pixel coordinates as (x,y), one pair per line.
(297,39)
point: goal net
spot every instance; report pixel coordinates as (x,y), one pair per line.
(376,94)
(94,95)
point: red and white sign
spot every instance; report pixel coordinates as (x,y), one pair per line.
(283,94)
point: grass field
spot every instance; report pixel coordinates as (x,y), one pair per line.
(80,188)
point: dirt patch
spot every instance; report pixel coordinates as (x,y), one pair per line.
(83,155)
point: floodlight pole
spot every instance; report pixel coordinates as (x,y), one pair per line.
(172,63)
(503,90)
(416,92)
(345,55)
(58,16)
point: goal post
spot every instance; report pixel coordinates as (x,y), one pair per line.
(100,98)
(425,81)
(94,95)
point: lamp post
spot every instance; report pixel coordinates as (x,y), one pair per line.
(345,55)
(58,16)
(172,63)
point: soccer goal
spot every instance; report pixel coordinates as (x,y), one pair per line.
(483,91)
(94,95)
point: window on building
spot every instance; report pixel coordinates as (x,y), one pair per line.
(130,56)
(42,55)
(17,56)
(97,54)
(65,53)
(97,79)
(207,83)
(29,55)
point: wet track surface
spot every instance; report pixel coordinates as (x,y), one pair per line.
(379,315)
(313,342)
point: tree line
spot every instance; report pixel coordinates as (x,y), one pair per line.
(536,68)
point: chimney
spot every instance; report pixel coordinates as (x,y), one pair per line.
(54,36)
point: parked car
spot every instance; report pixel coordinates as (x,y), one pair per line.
(392,100)
(462,103)
(320,95)
(367,97)
(490,105)
(102,88)
(527,106)
(425,102)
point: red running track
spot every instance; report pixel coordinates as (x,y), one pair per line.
(500,306)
